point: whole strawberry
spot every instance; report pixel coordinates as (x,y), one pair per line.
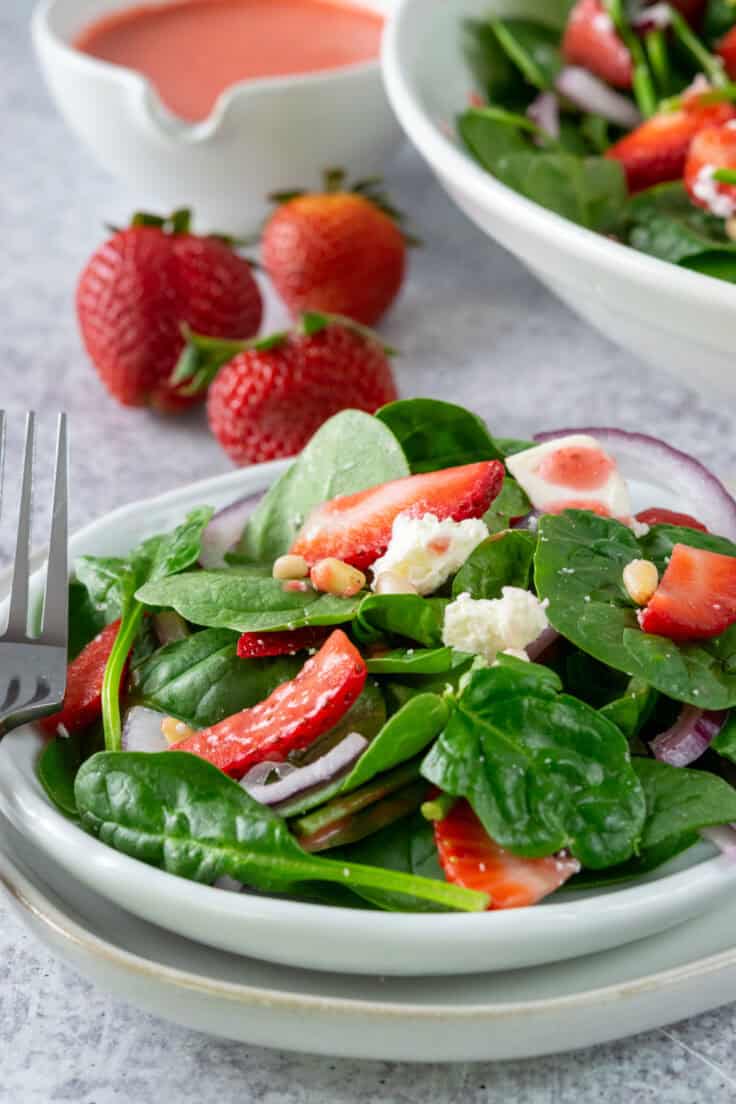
(341,252)
(141,286)
(269,397)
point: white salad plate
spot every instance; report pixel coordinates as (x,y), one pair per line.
(677,320)
(319,937)
(514,1014)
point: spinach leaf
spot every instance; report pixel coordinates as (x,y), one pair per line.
(719,264)
(419,661)
(720,16)
(403,736)
(590,191)
(436,435)
(350,452)
(154,559)
(58,765)
(702,674)
(658,543)
(542,770)
(511,502)
(679,802)
(85,620)
(407,615)
(725,741)
(664,223)
(407,846)
(579,567)
(533,48)
(502,560)
(201,680)
(491,67)
(633,709)
(245,603)
(367,716)
(178,812)
(104,579)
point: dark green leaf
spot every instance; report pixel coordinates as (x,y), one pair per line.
(418,661)
(725,741)
(633,709)
(201,680)
(178,812)
(664,223)
(720,16)
(436,435)
(679,803)
(245,603)
(510,503)
(58,765)
(495,74)
(590,191)
(533,48)
(658,543)
(85,619)
(543,771)
(352,451)
(502,560)
(404,615)
(579,568)
(720,264)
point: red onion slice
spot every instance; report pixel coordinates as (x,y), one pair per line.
(294,780)
(651,460)
(224,531)
(142,730)
(689,737)
(545,112)
(544,641)
(591,94)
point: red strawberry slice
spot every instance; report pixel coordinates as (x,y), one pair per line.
(293,716)
(357,528)
(696,597)
(591,40)
(470,858)
(727,51)
(83,697)
(657,150)
(656,515)
(255,645)
(713,148)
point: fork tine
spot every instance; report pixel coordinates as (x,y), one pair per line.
(56,596)
(2,454)
(18,614)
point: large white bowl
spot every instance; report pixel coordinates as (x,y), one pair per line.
(262,136)
(315,936)
(675,319)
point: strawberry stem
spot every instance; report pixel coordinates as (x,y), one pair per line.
(202,358)
(438,808)
(334,180)
(725,176)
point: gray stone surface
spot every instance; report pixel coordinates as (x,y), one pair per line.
(472,326)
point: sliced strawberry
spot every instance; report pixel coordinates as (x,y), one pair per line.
(657,150)
(83,697)
(696,596)
(727,51)
(470,858)
(591,40)
(656,515)
(357,528)
(291,718)
(255,645)
(713,148)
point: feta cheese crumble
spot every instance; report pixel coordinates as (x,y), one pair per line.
(487,626)
(707,190)
(426,551)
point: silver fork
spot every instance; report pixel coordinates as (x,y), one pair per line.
(33,668)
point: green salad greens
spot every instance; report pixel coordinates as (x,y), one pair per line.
(409,745)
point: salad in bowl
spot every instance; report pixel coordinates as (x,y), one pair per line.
(432,669)
(623,121)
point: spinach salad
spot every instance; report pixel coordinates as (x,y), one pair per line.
(438,670)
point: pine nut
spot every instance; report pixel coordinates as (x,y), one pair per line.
(290,567)
(389,582)
(640,580)
(336,577)
(174,731)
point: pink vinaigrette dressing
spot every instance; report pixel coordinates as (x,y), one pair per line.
(192,50)
(580,469)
